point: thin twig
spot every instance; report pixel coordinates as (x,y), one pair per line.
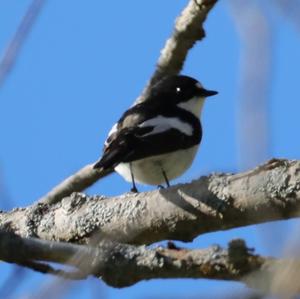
(14,47)
(77,182)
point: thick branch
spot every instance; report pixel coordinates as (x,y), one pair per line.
(213,203)
(188,29)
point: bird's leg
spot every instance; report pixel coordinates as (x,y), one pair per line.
(133,189)
(165,177)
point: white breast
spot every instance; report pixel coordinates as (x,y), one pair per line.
(194,105)
(149,170)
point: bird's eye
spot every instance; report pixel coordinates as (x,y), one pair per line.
(178,89)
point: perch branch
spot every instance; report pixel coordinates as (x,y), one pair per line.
(213,203)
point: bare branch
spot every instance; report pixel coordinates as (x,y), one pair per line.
(114,261)
(188,29)
(77,182)
(217,202)
(121,265)
(13,49)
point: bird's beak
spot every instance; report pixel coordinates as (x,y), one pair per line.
(206,93)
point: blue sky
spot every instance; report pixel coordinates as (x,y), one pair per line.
(84,63)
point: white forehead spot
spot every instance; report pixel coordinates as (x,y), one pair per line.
(162,124)
(198,84)
(178,89)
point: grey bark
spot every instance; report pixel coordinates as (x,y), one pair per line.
(216,202)
(213,203)
(122,265)
(187,31)
(77,182)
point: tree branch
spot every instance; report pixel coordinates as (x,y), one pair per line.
(188,29)
(121,265)
(216,202)
(77,182)
(11,53)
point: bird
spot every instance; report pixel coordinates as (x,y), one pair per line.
(155,141)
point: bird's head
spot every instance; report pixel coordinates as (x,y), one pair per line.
(182,91)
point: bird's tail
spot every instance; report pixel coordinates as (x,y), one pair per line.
(98,165)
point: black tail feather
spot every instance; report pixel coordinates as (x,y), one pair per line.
(98,165)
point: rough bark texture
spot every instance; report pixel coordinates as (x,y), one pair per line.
(122,265)
(188,30)
(77,182)
(216,202)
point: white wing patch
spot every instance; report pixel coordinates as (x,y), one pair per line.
(162,124)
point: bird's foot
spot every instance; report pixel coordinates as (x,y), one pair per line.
(134,190)
(172,245)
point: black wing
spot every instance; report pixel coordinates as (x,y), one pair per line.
(141,141)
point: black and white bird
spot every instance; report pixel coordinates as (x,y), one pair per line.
(156,141)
